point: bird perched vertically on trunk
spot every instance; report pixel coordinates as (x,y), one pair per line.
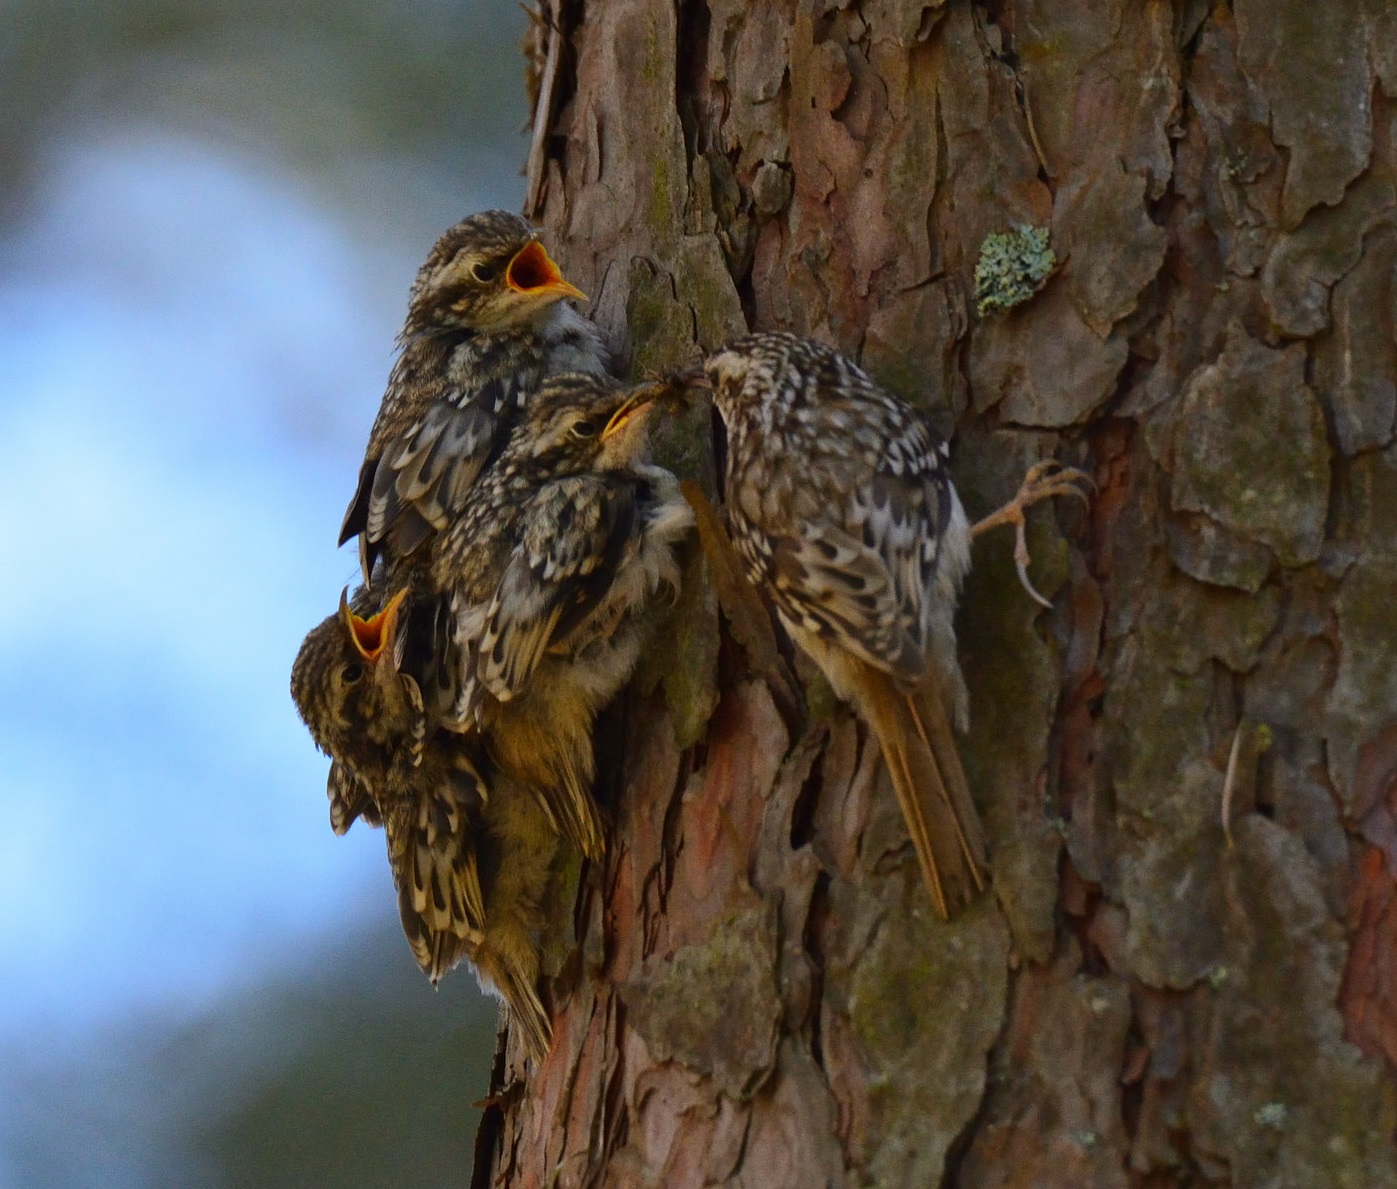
(565,541)
(368,717)
(841,506)
(488,319)
(470,859)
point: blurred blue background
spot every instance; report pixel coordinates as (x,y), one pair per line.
(209,217)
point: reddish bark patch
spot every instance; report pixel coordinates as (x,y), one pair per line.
(1368,993)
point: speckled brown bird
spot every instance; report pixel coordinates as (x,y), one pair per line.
(368,717)
(841,506)
(564,542)
(488,319)
(470,859)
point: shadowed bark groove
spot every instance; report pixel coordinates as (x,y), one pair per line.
(756,991)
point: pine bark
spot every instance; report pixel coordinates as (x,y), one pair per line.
(1168,985)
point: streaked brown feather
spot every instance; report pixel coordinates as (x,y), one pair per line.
(929,782)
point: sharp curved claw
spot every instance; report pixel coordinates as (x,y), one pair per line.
(1021,560)
(1043,480)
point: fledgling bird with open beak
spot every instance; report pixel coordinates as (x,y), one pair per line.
(841,506)
(471,862)
(488,320)
(368,717)
(565,541)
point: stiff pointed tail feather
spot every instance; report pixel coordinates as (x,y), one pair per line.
(516,988)
(920,751)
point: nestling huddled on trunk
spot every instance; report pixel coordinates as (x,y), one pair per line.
(517,547)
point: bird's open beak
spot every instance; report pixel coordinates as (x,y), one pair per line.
(637,405)
(373,635)
(532,271)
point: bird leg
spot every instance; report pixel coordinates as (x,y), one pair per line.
(1044,480)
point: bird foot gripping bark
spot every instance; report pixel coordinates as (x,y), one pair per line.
(1044,480)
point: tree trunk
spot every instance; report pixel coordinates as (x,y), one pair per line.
(1170,984)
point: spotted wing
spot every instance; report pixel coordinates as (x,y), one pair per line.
(574,536)
(423,477)
(863,568)
(350,799)
(433,849)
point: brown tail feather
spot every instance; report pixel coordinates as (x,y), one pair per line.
(517,867)
(516,988)
(930,713)
(927,777)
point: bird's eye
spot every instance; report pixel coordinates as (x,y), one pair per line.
(351,672)
(483,273)
(584,428)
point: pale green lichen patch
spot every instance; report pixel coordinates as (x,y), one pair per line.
(1012,267)
(714,1007)
(926,1001)
(1251,452)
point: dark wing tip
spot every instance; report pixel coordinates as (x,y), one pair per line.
(356,516)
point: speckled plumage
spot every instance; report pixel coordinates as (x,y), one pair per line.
(841,506)
(563,543)
(368,717)
(470,860)
(487,322)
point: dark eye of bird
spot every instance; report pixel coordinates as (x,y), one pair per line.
(483,273)
(351,672)
(584,428)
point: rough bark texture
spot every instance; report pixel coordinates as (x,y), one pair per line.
(1157,992)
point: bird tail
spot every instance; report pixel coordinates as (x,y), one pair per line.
(914,732)
(515,986)
(516,867)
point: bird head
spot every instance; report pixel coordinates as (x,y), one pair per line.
(359,709)
(578,423)
(750,369)
(487,273)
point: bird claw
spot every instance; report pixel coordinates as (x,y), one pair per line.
(1044,480)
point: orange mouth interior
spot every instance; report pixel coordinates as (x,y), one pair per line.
(368,635)
(532,268)
(532,271)
(371,636)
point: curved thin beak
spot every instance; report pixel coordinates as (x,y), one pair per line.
(638,405)
(373,636)
(532,271)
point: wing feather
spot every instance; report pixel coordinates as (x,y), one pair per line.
(565,561)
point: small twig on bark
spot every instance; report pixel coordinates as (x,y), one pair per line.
(1229,782)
